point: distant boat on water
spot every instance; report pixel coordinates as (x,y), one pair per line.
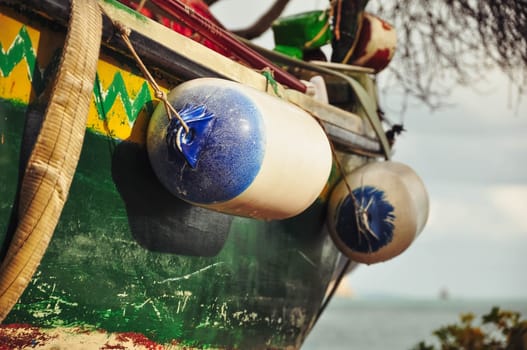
(444,294)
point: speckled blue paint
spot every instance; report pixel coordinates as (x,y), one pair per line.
(230,155)
(380,216)
(190,144)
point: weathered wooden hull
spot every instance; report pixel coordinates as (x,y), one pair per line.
(127,256)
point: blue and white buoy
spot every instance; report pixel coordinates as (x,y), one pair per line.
(246,153)
(387,208)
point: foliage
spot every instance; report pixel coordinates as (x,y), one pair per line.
(499,330)
(446,43)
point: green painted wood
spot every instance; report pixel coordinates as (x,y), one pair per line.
(129,257)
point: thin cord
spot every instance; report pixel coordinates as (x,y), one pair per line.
(124,32)
(141,5)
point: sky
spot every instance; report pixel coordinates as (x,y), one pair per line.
(473,159)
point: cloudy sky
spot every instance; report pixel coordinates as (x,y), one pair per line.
(473,159)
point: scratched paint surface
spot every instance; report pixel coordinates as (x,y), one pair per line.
(259,288)
(213,281)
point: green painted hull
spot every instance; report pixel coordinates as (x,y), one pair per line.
(129,257)
(110,265)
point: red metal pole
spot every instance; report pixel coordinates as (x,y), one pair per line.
(223,38)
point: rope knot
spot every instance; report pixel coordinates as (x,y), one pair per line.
(122,28)
(160,95)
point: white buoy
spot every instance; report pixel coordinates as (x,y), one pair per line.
(247,153)
(388,209)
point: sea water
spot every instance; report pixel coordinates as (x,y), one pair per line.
(395,324)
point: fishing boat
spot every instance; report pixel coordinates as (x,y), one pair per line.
(156,193)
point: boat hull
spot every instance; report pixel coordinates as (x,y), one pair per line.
(128,257)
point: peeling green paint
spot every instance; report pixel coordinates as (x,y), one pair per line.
(96,273)
(105,99)
(128,10)
(22,49)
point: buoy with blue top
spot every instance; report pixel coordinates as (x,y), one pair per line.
(245,153)
(377,211)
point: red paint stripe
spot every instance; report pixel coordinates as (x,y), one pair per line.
(379,60)
(139,339)
(21,336)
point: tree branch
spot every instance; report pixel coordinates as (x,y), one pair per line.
(264,22)
(447,43)
(210,2)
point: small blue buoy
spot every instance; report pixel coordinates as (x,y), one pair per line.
(381,216)
(245,153)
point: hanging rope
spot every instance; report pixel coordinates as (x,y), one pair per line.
(124,32)
(55,155)
(338,18)
(141,5)
(360,219)
(340,168)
